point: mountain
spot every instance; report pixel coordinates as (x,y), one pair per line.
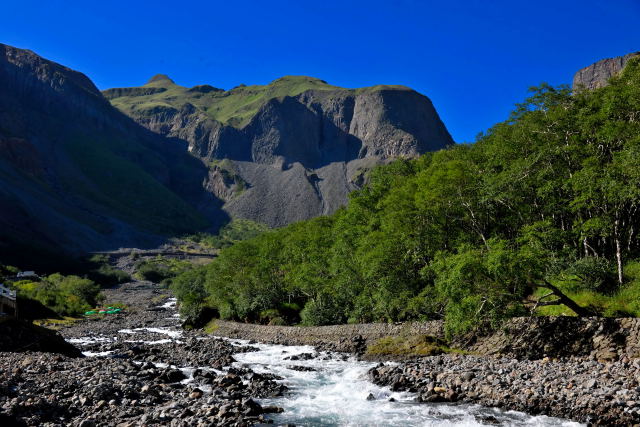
(290,150)
(77,175)
(598,74)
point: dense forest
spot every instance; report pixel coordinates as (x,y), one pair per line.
(539,216)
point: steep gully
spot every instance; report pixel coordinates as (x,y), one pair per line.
(178,377)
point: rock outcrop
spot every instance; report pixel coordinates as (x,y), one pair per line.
(19,336)
(598,74)
(298,145)
(77,175)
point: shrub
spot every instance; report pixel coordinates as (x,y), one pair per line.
(594,273)
(321,311)
(101,272)
(161,269)
(66,295)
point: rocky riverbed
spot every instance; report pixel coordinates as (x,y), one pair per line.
(141,368)
(588,391)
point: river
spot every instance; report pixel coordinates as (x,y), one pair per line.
(324,389)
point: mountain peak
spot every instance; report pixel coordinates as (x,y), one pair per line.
(298,79)
(160,78)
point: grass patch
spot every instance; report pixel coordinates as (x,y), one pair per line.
(624,302)
(408,345)
(229,174)
(56,324)
(159,298)
(211,327)
(125,188)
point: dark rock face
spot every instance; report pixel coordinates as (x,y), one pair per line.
(73,169)
(17,336)
(300,156)
(597,75)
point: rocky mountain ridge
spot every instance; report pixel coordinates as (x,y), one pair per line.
(598,74)
(290,150)
(77,175)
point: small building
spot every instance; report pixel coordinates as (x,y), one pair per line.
(8,302)
(26,275)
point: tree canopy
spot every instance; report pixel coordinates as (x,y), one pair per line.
(539,212)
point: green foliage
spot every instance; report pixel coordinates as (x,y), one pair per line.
(66,295)
(161,269)
(542,206)
(593,273)
(7,271)
(101,272)
(189,288)
(233,232)
(321,311)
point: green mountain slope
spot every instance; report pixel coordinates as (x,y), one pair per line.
(234,107)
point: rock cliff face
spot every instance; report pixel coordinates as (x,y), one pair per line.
(297,146)
(597,75)
(78,175)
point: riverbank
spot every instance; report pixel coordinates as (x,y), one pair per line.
(586,391)
(524,338)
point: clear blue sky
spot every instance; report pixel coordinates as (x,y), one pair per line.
(474,59)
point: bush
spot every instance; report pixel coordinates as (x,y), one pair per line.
(594,273)
(104,274)
(321,311)
(161,269)
(189,289)
(7,271)
(233,232)
(66,295)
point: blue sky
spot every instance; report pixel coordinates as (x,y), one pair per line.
(474,59)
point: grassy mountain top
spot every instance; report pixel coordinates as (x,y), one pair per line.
(234,107)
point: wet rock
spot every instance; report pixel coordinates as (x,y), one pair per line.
(301,368)
(196,394)
(172,376)
(301,356)
(251,407)
(594,392)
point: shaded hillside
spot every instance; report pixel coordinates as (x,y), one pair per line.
(290,150)
(78,175)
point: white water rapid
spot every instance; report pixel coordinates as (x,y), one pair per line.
(335,394)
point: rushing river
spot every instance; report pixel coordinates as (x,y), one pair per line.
(328,389)
(335,393)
